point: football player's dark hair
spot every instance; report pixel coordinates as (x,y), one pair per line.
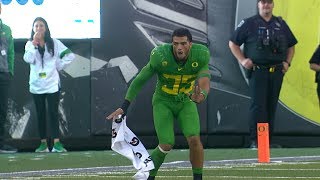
(181,32)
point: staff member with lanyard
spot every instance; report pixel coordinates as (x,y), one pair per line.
(267,55)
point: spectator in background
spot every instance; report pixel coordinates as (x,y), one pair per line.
(315,65)
(267,55)
(46,56)
(6,75)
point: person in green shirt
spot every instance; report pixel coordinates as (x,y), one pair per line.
(182,68)
(6,74)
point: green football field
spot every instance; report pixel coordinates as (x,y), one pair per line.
(220,164)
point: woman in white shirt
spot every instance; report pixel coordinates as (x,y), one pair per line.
(46,56)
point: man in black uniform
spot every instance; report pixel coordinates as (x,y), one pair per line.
(315,65)
(268,51)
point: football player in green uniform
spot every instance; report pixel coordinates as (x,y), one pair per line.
(183,81)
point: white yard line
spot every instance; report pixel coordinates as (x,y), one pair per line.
(230,164)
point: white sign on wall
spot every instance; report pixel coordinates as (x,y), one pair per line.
(67,19)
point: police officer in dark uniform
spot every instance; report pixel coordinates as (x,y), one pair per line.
(315,65)
(267,54)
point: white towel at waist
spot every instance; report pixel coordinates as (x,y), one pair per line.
(126,143)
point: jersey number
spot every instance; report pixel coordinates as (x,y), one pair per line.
(181,83)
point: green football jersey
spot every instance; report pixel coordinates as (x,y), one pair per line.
(174,78)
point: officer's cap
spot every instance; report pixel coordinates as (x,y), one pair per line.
(267,1)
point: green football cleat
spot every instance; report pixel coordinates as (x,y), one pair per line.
(43,147)
(58,147)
